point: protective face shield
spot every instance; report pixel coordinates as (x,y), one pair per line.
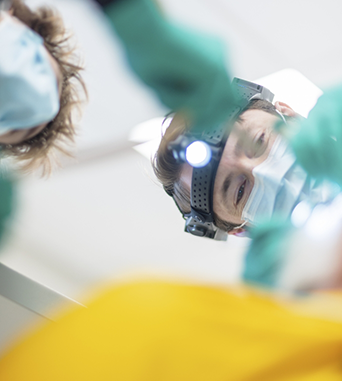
(28,85)
(280,183)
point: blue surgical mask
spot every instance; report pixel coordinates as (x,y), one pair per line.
(280,183)
(28,85)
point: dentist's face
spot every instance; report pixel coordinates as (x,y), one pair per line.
(248,145)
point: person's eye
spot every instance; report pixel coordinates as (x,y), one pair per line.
(261,139)
(241,191)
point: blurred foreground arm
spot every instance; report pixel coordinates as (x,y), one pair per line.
(301,255)
(318,142)
(187,70)
(306,255)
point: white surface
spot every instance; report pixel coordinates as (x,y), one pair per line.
(14,321)
(104,219)
(292,87)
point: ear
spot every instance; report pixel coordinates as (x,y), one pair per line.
(285,109)
(237,231)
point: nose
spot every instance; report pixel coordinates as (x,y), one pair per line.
(244,145)
(248,149)
(237,156)
(243,162)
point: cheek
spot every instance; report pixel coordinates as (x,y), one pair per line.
(186,176)
(219,203)
(220,176)
(226,215)
(219,209)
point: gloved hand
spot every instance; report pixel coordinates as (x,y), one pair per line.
(7,203)
(267,253)
(318,142)
(187,70)
(300,255)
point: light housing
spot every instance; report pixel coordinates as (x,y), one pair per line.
(198,154)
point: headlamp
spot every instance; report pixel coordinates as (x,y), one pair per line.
(203,150)
(198,154)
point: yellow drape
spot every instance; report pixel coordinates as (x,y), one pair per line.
(161,331)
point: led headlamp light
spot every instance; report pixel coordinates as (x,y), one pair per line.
(203,150)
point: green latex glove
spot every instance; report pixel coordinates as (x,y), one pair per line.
(6,203)
(318,144)
(267,253)
(187,70)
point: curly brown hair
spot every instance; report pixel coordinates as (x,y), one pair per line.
(40,150)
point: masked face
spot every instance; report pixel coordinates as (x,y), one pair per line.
(248,145)
(258,175)
(29,82)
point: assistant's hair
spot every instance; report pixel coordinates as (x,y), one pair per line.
(168,170)
(40,150)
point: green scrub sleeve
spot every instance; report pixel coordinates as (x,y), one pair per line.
(318,142)
(186,70)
